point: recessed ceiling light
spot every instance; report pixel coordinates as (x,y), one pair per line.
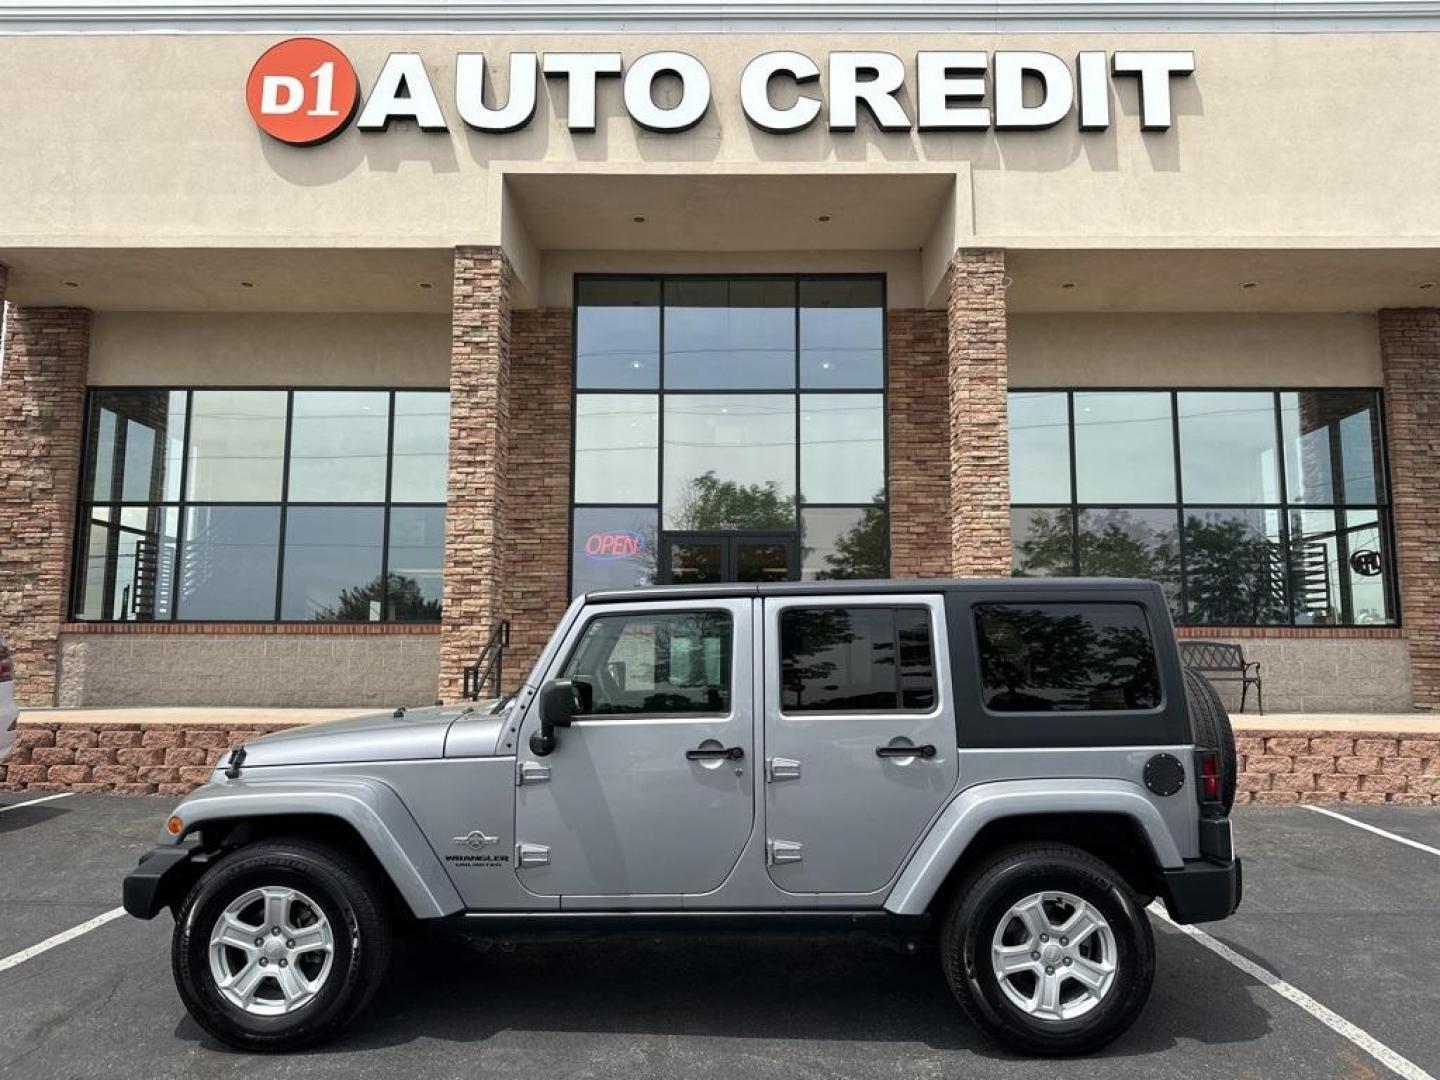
(426,285)
(1426,285)
(823,217)
(71,284)
(1067,285)
(247,284)
(639,219)
(1248,284)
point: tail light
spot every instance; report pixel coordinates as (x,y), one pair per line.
(1208,766)
(7,666)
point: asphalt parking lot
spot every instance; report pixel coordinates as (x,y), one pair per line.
(1345,916)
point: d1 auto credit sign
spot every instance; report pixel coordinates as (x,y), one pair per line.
(303,91)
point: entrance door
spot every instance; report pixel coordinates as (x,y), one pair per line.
(710,558)
(860,739)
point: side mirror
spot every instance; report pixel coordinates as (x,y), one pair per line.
(560,700)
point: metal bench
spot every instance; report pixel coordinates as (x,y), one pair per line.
(1220,661)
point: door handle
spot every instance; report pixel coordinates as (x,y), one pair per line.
(720,753)
(927,750)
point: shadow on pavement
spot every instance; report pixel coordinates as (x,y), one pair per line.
(748,988)
(22,817)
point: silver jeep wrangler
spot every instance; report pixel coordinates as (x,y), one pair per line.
(1013,769)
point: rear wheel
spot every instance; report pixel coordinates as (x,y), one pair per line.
(1048,950)
(280,944)
(1211,725)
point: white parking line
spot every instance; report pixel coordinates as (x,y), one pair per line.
(1371,828)
(1396,1063)
(32,802)
(49,943)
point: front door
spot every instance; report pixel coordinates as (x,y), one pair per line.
(860,741)
(649,792)
(710,558)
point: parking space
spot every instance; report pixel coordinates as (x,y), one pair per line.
(1336,911)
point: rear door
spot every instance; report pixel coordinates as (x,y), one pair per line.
(859,736)
(649,792)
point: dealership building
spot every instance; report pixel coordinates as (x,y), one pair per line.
(334,339)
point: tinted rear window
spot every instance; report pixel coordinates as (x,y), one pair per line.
(1066,658)
(860,659)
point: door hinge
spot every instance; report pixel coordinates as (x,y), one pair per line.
(532,855)
(781,768)
(531,772)
(783,851)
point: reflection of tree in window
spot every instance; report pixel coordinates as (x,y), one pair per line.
(1063,659)
(1047,549)
(408,603)
(1234,574)
(862,551)
(711,503)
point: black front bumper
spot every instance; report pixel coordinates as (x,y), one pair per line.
(152,884)
(1203,890)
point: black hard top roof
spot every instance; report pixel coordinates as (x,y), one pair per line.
(1018,585)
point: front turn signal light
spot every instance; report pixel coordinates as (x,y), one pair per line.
(174,826)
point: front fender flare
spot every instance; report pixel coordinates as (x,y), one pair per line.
(975,807)
(371,808)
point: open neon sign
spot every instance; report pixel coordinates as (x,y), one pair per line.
(614,544)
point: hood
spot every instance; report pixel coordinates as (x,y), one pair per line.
(380,736)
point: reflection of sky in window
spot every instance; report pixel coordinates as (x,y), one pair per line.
(1039,448)
(1124,447)
(842,447)
(1227,447)
(616,438)
(745,439)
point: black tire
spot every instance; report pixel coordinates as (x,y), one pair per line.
(975,913)
(1211,726)
(350,899)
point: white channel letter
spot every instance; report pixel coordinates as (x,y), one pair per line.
(640,91)
(945,78)
(755,91)
(1094,85)
(1155,70)
(581,71)
(1058,85)
(518,109)
(402,91)
(884,77)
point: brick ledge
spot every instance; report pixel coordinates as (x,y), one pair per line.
(1339,633)
(242,629)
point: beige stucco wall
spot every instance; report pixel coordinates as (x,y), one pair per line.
(1281,140)
(140,348)
(1222,349)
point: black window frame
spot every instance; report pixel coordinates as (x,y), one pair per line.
(182,504)
(936,687)
(1383,507)
(659,392)
(655,613)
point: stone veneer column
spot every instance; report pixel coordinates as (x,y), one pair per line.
(919,414)
(537,494)
(1410,357)
(980,541)
(42,411)
(479,443)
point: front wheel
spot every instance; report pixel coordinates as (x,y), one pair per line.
(1048,950)
(280,945)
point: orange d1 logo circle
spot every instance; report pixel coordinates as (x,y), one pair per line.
(302,91)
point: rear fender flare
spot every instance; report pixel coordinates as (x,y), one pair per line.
(959,823)
(371,808)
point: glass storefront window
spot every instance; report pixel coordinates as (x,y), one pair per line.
(842,334)
(842,447)
(1227,447)
(616,440)
(1242,548)
(617,334)
(730,334)
(1039,447)
(237,446)
(214,551)
(613,548)
(338,446)
(729,461)
(1124,447)
(843,543)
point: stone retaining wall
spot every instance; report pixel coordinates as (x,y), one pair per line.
(1275,766)
(126,759)
(1333,767)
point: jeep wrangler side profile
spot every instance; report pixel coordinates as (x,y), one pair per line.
(1011,768)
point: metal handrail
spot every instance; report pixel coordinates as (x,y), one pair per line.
(490,664)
